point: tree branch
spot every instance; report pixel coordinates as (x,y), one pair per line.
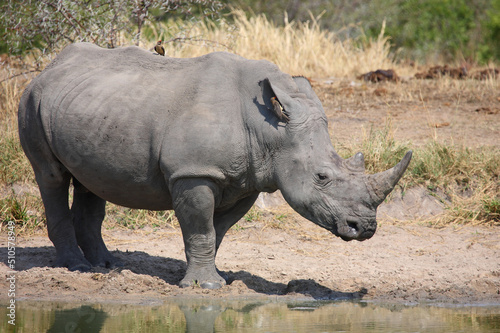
(19,74)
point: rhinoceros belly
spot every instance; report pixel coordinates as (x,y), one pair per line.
(112,153)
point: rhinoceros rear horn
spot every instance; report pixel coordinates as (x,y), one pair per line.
(384,182)
(356,163)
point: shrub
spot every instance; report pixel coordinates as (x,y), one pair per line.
(46,26)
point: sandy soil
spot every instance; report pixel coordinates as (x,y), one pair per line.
(418,111)
(401,263)
(404,262)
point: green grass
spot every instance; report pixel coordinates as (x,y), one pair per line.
(253,215)
(435,164)
(469,176)
(13,209)
(25,209)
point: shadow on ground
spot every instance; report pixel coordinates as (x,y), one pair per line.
(173,270)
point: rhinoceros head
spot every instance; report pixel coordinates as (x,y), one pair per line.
(324,188)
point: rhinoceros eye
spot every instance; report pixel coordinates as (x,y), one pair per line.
(322,176)
(323,179)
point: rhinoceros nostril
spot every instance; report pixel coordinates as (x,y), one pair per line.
(353,226)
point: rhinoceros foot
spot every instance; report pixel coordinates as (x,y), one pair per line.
(74,263)
(99,256)
(107,261)
(205,278)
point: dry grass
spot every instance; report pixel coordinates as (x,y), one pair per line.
(480,206)
(121,217)
(470,176)
(13,164)
(297,48)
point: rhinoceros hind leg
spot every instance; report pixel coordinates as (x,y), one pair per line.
(88,213)
(225,219)
(53,179)
(54,192)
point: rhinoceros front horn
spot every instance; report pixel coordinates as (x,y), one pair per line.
(384,182)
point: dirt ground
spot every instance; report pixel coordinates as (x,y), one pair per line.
(401,263)
(459,112)
(405,261)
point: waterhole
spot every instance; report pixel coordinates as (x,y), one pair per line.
(209,315)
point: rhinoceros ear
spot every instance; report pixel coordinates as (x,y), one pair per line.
(281,103)
(304,86)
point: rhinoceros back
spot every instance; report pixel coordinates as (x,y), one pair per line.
(125,121)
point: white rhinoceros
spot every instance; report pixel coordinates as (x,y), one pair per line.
(202,136)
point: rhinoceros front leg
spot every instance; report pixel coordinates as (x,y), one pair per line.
(194,201)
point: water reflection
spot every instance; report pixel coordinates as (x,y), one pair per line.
(209,315)
(201,318)
(82,319)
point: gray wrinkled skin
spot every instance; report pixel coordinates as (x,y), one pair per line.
(195,135)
